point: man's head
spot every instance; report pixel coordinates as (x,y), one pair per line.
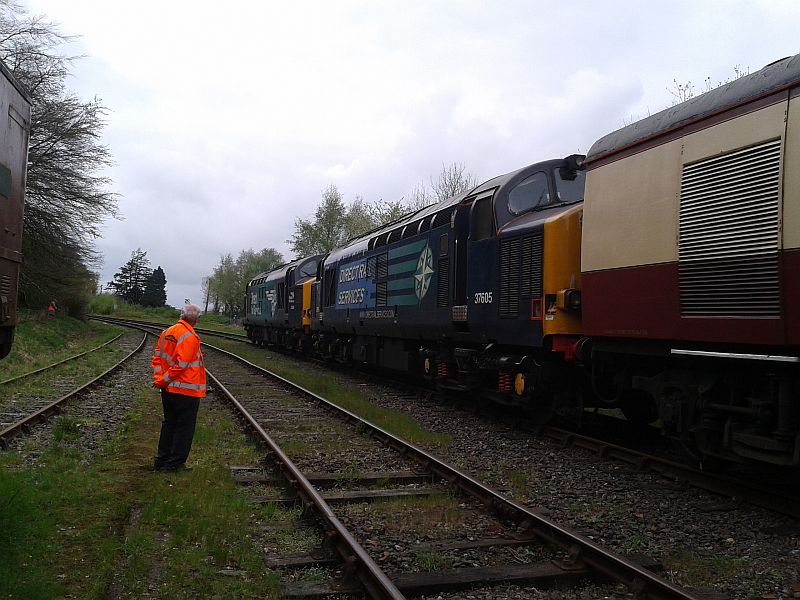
(190,313)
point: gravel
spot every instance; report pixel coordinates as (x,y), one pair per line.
(707,543)
(97,412)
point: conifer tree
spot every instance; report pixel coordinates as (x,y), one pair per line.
(155,290)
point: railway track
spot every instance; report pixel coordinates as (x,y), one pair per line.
(60,362)
(22,410)
(267,401)
(752,492)
(158,327)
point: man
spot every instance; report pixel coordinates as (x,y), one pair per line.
(179,373)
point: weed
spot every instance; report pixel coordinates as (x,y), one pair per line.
(349,475)
(430,561)
(703,570)
(636,543)
(314,574)
(419,514)
(518,481)
(66,428)
(296,539)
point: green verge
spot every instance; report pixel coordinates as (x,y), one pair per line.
(39,342)
(307,375)
(163,316)
(102,526)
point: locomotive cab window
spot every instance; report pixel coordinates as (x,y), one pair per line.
(533,192)
(569,185)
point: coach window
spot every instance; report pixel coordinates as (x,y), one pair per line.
(532,193)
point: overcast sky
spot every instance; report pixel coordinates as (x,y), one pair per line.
(228,119)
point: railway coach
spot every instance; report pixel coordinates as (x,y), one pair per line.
(691,268)
(15,106)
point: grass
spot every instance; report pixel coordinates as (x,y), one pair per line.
(348,397)
(418,514)
(106,304)
(518,481)
(101,525)
(39,342)
(430,560)
(699,571)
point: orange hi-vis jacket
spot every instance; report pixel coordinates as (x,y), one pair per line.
(178,363)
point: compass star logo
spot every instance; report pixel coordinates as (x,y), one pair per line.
(424,272)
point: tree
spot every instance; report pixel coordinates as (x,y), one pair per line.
(129,282)
(66,198)
(420,197)
(326,231)
(226,285)
(386,211)
(155,290)
(334,223)
(453,179)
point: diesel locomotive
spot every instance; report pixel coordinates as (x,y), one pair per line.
(14,103)
(659,274)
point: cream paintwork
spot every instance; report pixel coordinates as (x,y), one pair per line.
(631,208)
(748,130)
(791,179)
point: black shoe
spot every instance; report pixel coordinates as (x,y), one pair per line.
(157,466)
(180,469)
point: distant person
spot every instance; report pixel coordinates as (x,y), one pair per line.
(52,308)
(179,373)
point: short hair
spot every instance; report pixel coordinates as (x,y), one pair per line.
(190,310)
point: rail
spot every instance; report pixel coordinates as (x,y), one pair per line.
(54,407)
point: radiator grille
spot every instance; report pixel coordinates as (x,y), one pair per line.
(381,293)
(728,245)
(509,277)
(532,253)
(5,284)
(443,283)
(382,267)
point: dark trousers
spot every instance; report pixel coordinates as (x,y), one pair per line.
(177,429)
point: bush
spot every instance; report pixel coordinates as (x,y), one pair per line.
(103,304)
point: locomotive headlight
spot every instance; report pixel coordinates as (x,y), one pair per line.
(569,299)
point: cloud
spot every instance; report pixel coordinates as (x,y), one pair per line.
(227,125)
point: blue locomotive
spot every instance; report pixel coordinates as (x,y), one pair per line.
(478,292)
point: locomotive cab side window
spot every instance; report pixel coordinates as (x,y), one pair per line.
(533,192)
(569,185)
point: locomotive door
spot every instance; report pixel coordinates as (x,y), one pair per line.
(461,235)
(481,279)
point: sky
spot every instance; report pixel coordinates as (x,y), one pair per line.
(228,120)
